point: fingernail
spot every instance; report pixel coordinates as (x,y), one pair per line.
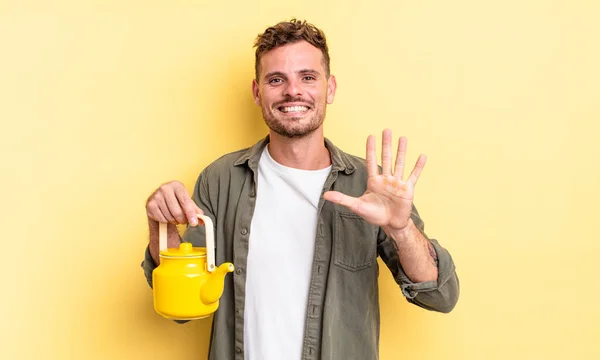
(194,222)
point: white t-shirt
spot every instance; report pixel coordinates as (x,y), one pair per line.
(280,256)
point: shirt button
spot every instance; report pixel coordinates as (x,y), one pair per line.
(238,271)
(244,231)
(252,194)
(238,350)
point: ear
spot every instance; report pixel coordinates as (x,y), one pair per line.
(331,86)
(256,92)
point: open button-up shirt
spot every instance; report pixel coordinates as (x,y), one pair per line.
(342,319)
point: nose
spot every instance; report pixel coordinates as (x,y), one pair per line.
(293,88)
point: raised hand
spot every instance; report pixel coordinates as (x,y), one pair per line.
(389,197)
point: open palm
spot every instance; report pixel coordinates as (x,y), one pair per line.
(389,198)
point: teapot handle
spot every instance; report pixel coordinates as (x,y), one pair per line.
(210,240)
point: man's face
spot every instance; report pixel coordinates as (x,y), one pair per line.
(293,90)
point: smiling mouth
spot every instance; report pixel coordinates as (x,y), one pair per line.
(293,109)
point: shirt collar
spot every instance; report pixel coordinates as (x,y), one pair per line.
(340,161)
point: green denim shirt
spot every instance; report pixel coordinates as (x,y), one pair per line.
(342,319)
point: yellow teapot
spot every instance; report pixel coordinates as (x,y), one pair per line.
(187,285)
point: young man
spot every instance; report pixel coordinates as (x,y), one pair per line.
(304,222)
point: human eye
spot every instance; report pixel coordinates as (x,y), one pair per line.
(308,78)
(275,81)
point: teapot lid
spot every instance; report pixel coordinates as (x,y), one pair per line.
(185,250)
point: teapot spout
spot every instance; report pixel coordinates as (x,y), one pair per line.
(212,289)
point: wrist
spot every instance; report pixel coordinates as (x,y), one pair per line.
(400,234)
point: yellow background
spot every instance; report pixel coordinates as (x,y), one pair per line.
(102,101)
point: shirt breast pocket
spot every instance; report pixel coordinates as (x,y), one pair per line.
(355,242)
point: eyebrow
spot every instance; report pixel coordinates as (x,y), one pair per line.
(303,71)
(274,73)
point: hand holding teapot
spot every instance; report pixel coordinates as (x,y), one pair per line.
(187,285)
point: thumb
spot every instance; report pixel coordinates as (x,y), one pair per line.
(337,197)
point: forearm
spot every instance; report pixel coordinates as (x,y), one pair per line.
(416,254)
(173,239)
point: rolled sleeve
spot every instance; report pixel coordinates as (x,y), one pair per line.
(440,295)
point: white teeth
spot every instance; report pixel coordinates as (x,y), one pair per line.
(294,108)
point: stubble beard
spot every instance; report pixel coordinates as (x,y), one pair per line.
(291,128)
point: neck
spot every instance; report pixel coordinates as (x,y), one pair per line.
(305,153)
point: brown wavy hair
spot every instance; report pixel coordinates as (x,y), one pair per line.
(289,32)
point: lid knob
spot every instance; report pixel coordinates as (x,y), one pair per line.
(186,247)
